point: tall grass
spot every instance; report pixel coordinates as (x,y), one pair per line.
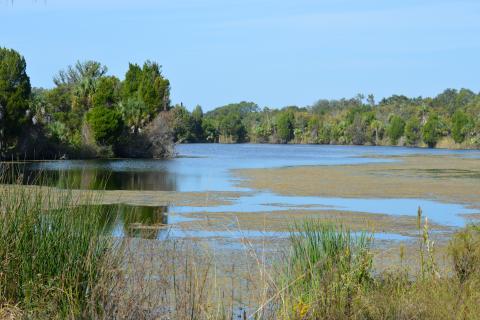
(329,274)
(326,266)
(51,252)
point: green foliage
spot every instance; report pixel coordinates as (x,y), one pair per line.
(59,113)
(327,267)
(329,275)
(197,116)
(356,131)
(106,92)
(228,123)
(431,131)
(105,123)
(209,130)
(377,130)
(82,95)
(242,109)
(413,131)
(231,126)
(183,124)
(84,73)
(154,89)
(80,82)
(14,93)
(134,113)
(285,126)
(132,81)
(462,125)
(465,251)
(50,261)
(395,129)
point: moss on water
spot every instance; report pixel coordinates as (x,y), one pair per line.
(444,178)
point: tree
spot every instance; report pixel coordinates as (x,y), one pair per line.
(377,129)
(88,71)
(15,92)
(106,124)
(132,81)
(106,92)
(231,126)
(81,82)
(197,116)
(209,129)
(371,100)
(461,126)
(446,100)
(395,128)
(134,113)
(154,89)
(431,130)
(183,124)
(413,131)
(285,126)
(356,131)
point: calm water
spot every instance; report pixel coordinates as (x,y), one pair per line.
(207,167)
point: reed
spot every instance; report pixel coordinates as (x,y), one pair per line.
(329,275)
(51,251)
(326,266)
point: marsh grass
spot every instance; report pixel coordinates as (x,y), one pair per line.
(329,275)
(51,251)
(58,261)
(326,266)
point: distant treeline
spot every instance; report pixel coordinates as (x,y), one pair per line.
(451,119)
(87,114)
(91,114)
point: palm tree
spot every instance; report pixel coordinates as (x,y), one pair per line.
(376,126)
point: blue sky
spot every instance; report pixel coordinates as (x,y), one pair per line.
(273,52)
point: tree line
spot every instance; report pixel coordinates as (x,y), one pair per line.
(88,113)
(450,119)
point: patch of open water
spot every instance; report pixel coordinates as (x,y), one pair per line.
(207,167)
(449,214)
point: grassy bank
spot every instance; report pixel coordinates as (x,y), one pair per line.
(60,264)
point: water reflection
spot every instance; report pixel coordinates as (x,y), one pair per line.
(203,167)
(135,221)
(89,177)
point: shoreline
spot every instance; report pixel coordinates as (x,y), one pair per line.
(459,148)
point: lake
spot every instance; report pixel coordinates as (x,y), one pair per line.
(209,168)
